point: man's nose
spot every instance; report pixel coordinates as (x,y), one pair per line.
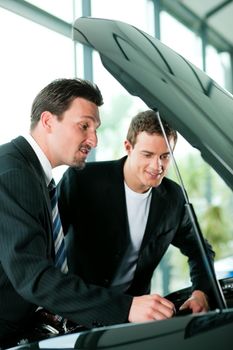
(157,162)
(92,139)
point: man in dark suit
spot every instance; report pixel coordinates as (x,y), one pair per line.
(64,121)
(123,214)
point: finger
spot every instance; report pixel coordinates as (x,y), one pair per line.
(162,311)
(162,314)
(167,303)
(163,301)
(185,305)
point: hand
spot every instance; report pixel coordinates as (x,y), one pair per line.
(197,302)
(149,308)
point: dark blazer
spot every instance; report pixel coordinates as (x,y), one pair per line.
(92,201)
(28,278)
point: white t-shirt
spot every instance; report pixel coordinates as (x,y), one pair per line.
(138,205)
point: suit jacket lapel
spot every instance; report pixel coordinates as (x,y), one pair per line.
(157,215)
(33,162)
(115,197)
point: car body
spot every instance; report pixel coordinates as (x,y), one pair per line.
(202,112)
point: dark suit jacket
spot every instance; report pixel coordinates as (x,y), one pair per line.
(93,201)
(28,278)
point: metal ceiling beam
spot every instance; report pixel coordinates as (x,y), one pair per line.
(157,9)
(35,14)
(88,63)
(217,8)
(231,74)
(87,51)
(183,14)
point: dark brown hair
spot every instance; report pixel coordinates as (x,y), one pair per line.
(57,97)
(147,121)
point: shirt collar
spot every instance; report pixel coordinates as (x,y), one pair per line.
(45,163)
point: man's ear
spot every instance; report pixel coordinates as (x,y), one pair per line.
(128,146)
(46,120)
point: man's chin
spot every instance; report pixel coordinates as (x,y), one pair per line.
(79,164)
(155,183)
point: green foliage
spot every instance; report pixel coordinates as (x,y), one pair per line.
(217,230)
(212,200)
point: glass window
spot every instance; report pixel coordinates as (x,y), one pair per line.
(174,34)
(63,9)
(218,67)
(31,57)
(119,106)
(118,109)
(129,11)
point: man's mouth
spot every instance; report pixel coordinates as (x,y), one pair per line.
(155,174)
(85,150)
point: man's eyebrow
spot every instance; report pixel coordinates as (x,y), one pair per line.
(147,152)
(94,119)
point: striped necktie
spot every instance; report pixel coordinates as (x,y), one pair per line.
(58,236)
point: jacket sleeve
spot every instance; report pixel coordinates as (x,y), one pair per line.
(27,263)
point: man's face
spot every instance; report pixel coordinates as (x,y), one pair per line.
(147,161)
(73,137)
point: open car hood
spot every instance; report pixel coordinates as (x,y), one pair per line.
(195,105)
